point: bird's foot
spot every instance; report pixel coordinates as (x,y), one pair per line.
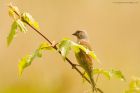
(75,65)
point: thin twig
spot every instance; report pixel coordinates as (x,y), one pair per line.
(39,33)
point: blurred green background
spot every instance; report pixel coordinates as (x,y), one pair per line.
(114,31)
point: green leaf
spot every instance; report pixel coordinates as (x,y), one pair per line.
(134,86)
(106,73)
(16,24)
(93,55)
(27,18)
(87,51)
(21,26)
(135,83)
(118,74)
(14,9)
(109,73)
(11,13)
(28,59)
(25,62)
(45,46)
(12,33)
(64,47)
(42,47)
(77,47)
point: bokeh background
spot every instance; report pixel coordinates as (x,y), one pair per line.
(114,31)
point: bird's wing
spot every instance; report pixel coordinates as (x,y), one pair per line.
(86,57)
(83,59)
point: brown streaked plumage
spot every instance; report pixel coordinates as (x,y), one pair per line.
(83,59)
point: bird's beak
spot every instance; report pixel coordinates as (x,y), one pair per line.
(74,34)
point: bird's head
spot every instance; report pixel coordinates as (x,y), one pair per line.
(80,34)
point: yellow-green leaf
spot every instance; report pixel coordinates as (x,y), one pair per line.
(93,55)
(16,24)
(12,33)
(11,13)
(64,47)
(14,9)
(118,74)
(109,73)
(28,59)
(21,26)
(134,86)
(43,46)
(106,73)
(87,51)
(25,62)
(27,18)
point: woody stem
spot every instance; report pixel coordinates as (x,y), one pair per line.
(55,47)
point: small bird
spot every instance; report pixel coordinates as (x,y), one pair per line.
(84,60)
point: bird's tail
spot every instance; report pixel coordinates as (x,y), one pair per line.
(92,81)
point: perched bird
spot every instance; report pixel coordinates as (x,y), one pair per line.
(84,60)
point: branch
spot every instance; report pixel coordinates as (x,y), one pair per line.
(68,60)
(55,47)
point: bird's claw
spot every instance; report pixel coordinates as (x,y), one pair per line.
(74,65)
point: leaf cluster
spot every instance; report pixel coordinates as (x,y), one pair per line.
(19,22)
(109,73)
(28,59)
(134,86)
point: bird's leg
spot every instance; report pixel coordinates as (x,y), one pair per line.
(74,65)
